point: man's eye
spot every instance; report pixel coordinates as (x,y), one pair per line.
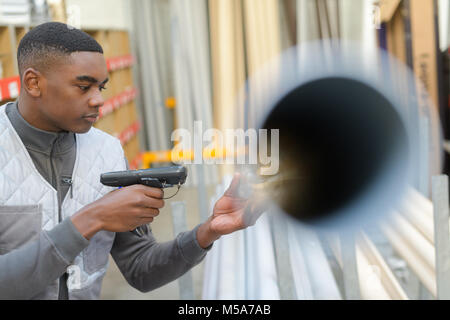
(84,88)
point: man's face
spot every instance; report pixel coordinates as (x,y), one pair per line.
(71,92)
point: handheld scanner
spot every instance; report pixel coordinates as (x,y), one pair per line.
(156,177)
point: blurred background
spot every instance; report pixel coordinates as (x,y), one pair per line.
(173,62)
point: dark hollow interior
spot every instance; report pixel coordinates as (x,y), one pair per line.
(336,136)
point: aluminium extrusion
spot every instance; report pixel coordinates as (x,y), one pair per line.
(137,80)
(374,278)
(260,266)
(202,60)
(423,271)
(192,18)
(350,268)
(415,238)
(212,261)
(184,113)
(308,254)
(142,17)
(189,16)
(441,235)
(185,282)
(376,263)
(285,276)
(155,84)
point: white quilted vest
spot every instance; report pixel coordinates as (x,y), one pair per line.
(21,184)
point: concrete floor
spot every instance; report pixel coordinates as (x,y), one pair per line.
(115,286)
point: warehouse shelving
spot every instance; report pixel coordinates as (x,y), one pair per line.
(118,115)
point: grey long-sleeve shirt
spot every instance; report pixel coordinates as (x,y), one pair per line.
(145,263)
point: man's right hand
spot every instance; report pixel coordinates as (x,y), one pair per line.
(121,210)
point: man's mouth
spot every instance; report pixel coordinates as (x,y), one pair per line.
(91,117)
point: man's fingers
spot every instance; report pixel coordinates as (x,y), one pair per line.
(145,221)
(149,213)
(153,203)
(152,192)
(152,198)
(233,189)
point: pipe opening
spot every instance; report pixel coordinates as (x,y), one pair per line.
(338,137)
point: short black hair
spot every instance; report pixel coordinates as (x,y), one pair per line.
(43,44)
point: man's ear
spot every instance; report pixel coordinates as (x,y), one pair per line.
(32,82)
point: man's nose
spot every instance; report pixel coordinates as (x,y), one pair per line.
(96,100)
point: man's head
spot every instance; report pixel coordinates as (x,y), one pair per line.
(63,71)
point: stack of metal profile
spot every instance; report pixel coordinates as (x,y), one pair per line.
(15,12)
(39,11)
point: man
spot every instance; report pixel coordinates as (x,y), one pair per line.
(58,224)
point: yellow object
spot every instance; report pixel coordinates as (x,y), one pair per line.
(171,102)
(186,155)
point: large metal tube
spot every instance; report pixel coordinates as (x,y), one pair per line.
(347,140)
(338,136)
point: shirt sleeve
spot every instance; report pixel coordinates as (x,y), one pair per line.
(28,270)
(147,264)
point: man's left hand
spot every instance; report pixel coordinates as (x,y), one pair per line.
(231,213)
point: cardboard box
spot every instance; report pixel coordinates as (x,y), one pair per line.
(5,41)
(121,119)
(424,49)
(132,114)
(106,124)
(20,33)
(8,66)
(131,149)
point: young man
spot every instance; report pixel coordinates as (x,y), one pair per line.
(58,224)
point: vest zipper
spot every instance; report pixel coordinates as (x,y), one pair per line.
(70,183)
(55,182)
(54,179)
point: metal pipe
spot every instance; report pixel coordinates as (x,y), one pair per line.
(376,280)
(423,271)
(415,239)
(329,108)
